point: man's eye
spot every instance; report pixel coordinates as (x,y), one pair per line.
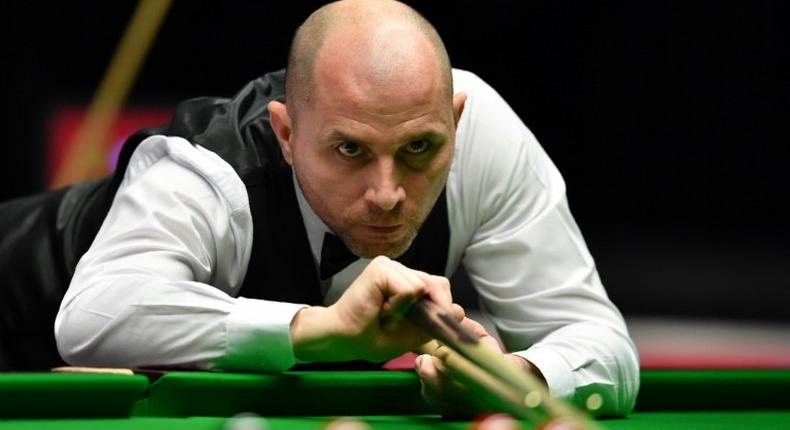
(417,147)
(349,149)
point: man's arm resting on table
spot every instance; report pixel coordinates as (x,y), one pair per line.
(527,258)
(157,286)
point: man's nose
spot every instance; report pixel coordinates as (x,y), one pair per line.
(385,190)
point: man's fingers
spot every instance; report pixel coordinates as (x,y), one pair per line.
(438,289)
(425,369)
(484,337)
(437,389)
(474,326)
(400,286)
(457,312)
(403,286)
(371,310)
(433,370)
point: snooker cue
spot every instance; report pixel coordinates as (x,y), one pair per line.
(83,161)
(510,399)
(524,395)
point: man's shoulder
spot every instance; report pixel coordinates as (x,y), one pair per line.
(489,134)
(170,161)
(465,80)
(496,154)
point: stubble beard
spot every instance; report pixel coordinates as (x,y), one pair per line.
(412,223)
(395,250)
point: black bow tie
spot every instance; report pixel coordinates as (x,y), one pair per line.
(335,256)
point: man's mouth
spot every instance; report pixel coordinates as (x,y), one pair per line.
(383,228)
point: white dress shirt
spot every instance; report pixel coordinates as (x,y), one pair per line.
(159,285)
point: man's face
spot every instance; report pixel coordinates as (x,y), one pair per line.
(372,161)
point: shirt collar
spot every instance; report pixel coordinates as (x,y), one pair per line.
(313,224)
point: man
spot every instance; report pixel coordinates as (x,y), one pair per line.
(215,250)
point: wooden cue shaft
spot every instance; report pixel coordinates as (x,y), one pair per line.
(84,160)
(525,382)
(457,364)
(533,393)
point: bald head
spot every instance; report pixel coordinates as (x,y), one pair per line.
(381,42)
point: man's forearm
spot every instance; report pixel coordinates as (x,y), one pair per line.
(312,336)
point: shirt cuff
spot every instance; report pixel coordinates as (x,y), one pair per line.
(258,335)
(556,371)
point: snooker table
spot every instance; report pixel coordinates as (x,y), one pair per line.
(384,399)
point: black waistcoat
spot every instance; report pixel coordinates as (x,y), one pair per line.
(281,265)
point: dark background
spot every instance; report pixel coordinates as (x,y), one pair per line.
(667,119)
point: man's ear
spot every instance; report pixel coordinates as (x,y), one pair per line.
(459,100)
(281,126)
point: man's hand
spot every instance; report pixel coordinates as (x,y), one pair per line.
(449,391)
(367,321)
